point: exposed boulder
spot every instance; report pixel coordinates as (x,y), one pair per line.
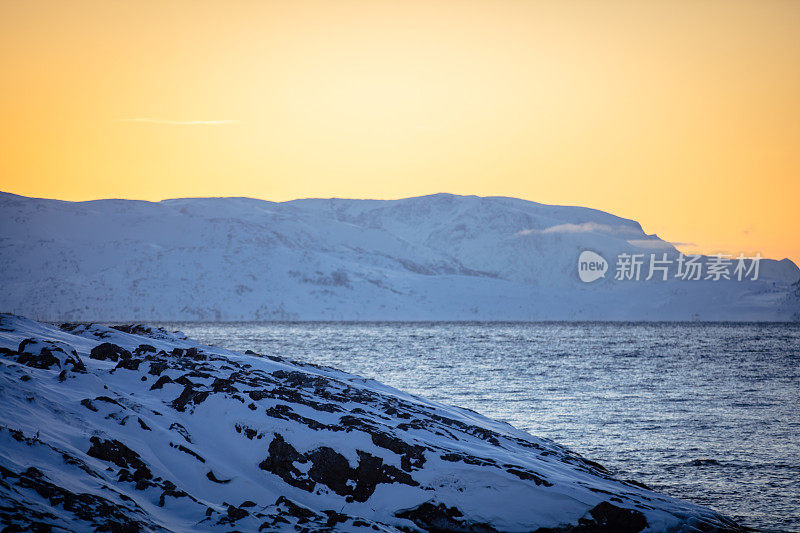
(48,354)
(109,352)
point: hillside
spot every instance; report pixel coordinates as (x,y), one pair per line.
(131,428)
(440,257)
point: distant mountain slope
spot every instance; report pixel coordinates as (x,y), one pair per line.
(138,429)
(439,257)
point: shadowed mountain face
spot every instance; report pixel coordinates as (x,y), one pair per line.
(440,257)
(131,428)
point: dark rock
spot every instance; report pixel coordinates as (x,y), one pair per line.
(332,469)
(160,382)
(303,514)
(116,452)
(210,475)
(143,331)
(108,400)
(704,462)
(7,352)
(411,455)
(637,484)
(87,403)
(129,364)
(46,354)
(280,462)
(171,490)
(334,518)
(45,359)
(248,432)
(223,385)
(236,513)
(157,367)
(608,517)
(529,476)
(440,518)
(103,514)
(23,346)
(108,351)
(144,348)
(468,459)
(187,451)
(187,396)
(195,354)
(185,381)
(257,395)
(182,431)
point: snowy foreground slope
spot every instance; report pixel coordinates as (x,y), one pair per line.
(140,429)
(440,257)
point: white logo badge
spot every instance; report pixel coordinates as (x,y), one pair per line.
(591,266)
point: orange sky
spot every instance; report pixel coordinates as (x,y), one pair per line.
(683,115)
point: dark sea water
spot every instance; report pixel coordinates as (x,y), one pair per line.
(706,412)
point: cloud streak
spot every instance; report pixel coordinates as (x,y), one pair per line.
(150,120)
(657,244)
(585,227)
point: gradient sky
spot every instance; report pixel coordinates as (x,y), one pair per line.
(683,115)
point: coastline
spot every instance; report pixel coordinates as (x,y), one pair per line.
(306,440)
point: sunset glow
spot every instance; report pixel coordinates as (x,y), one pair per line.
(684,116)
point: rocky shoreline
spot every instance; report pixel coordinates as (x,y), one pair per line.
(132,428)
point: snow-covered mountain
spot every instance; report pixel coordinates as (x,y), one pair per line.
(138,429)
(440,257)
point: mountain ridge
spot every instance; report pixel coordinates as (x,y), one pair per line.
(435,257)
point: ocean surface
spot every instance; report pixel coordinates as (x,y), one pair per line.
(706,412)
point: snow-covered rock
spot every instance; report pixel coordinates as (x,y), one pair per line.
(172,435)
(440,257)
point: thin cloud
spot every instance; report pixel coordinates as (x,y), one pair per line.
(149,120)
(655,244)
(585,227)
